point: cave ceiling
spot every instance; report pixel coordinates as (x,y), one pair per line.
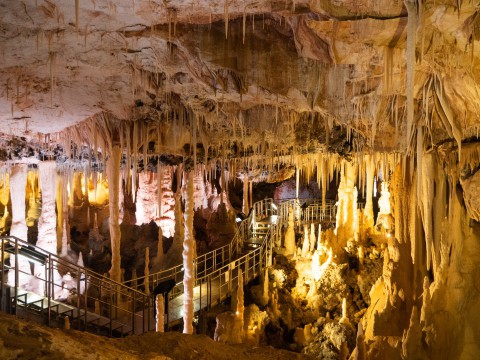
(291,75)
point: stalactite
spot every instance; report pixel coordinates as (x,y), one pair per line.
(134,162)
(226,14)
(426,200)
(411,6)
(76,15)
(188,256)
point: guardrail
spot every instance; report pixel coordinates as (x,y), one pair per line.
(96,301)
(213,263)
(308,210)
(214,287)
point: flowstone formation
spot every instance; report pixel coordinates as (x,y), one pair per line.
(369,107)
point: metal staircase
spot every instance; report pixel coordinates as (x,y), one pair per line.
(91,301)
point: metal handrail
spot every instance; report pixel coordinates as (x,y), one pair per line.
(120,306)
(218,285)
(212,260)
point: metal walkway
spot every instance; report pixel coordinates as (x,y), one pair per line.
(97,304)
(33,286)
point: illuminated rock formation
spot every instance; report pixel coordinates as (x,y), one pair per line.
(188,256)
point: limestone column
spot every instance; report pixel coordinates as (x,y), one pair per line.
(188,256)
(368,211)
(113,173)
(47,223)
(18,182)
(246,206)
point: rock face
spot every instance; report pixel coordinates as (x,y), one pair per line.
(471,191)
(240,65)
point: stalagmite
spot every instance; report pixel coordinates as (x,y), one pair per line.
(113,171)
(319,237)
(361,348)
(188,256)
(345,217)
(178,236)
(425,313)
(313,239)
(412,338)
(306,242)
(64,241)
(160,308)
(265,286)
(240,300)
(290,245)
(344,319)
(384,218)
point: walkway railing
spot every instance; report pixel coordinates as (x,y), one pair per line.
(214,287)
(119,309)
(308,210)
(96,302)
(224,261)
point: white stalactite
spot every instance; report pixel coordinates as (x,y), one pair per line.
(113,173)
(188,256)
(411,6)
